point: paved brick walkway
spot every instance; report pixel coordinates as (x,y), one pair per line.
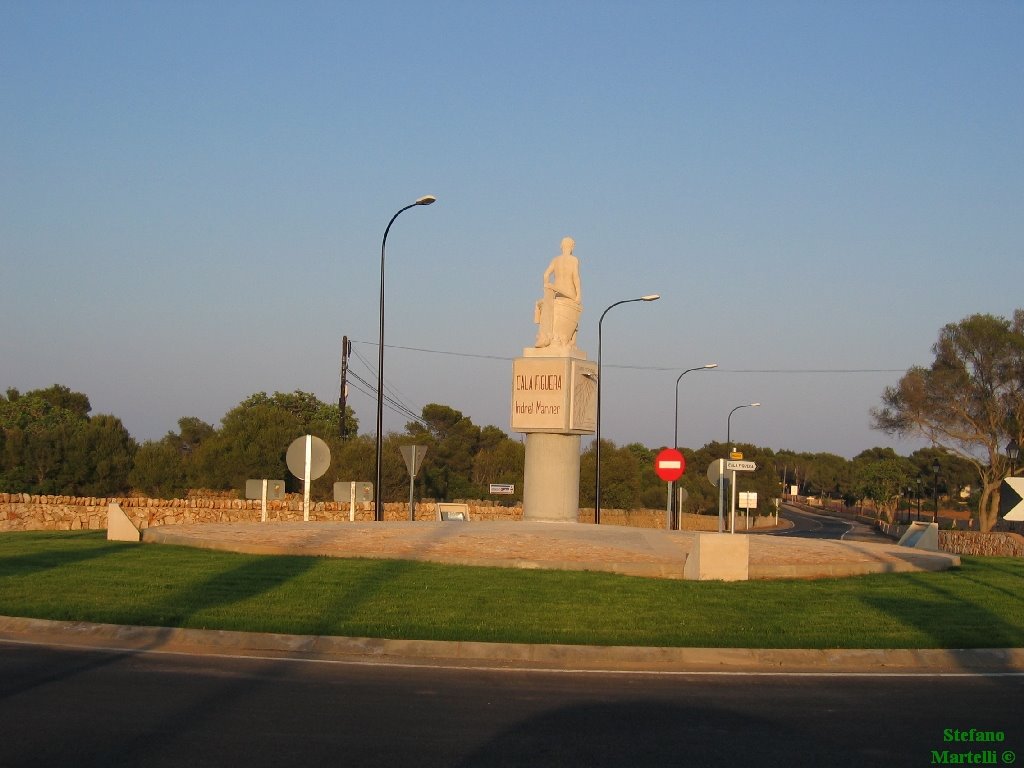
(567,546)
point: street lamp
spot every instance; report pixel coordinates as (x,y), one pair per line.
(732,489)
(675,435)
(675,422)
(597,443)
(919,499)
(728,422)
(935,489)
(378,507)
(1013,451)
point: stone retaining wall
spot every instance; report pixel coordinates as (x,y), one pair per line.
(25,512)
(993,543)
(974,543)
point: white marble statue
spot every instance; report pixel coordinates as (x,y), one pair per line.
(557,314)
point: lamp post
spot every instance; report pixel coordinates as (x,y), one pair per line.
(732,479)
(728,422)
(378,507)
(675,434)
(1012,451)
(597,443)
(919,499)
(935,489)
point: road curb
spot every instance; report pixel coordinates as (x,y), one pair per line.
(435,653)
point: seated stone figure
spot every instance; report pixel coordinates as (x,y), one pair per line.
(557,314)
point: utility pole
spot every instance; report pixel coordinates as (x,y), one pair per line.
(346,350)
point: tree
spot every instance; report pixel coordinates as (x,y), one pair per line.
(159,470)
(970,401)
(98,458)
(50,445)
(251,443)
(163,468)
(881,481)
(36,434)
(503,462)
(621,477)
(315,416)
(453,440)
(955,474)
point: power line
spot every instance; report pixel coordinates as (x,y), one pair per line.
(644,367)
(394,405)
(387,387)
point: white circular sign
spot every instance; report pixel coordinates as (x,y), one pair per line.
(319,457)
(716,469)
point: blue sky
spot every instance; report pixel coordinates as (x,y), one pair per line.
(192,198)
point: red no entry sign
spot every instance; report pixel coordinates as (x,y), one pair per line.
(669,465)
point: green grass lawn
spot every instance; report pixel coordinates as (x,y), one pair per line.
(82,576)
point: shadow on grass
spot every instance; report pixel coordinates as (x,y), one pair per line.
(954,617)
(256,576)
(371,581)
(54,551)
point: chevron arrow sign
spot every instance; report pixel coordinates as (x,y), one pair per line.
(1011,499)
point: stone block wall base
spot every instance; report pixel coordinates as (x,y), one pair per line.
(718,557)
(551,482)
(119,526)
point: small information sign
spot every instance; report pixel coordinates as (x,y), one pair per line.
(740,466)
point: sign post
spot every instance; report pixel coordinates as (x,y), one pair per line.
(413,455)
(748,501)
(353,493)
(734,466)
(716,476)
(264,490)
(308,457)
(669,465)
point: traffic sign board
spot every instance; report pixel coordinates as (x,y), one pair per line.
(669,465)
(1011,499)
(413,455)
(716,470)
(310,450)
(740,466)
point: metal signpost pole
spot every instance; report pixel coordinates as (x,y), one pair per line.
(412,485)
(305,478)
(668,508)
(721,496)
(732,502)
(669,465)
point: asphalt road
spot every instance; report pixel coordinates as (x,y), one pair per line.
(106,708)
(810,525)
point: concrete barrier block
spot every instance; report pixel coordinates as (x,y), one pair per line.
(452,511)
(921,536)
(119,525)
(718,557)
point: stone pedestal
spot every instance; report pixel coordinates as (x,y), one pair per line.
(554,397)
(551,482)
(718,557)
